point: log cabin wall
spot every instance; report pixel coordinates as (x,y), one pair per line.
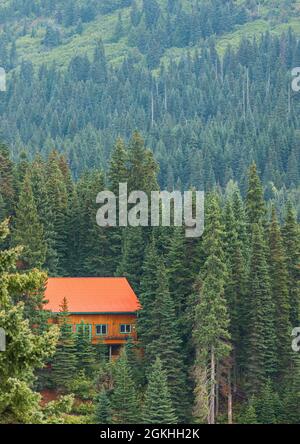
(113,322)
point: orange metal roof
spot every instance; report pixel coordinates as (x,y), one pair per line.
(91,295)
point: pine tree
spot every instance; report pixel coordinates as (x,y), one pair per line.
(291,238)
(124,398)
(166,343)
(102,409)
(142,168)
(26,351)
(64,365)
(211,335)
(249,414)
(28,230)
(158,405)
(7,183)
(280,296)
(85,353)
(132,257)
(117,170)
(255,205)
(267,405)
(261,340)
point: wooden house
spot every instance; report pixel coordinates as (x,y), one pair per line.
(107,306)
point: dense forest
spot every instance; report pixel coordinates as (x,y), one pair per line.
(161,94)
(217,315)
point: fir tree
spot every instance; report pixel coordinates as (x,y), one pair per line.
(85,352)
(211,335)
(124,398)
(261,340)
(102,409)
(255,205)
(158,407)
(28,230)
(166,343)
(132,257)
(26,351)
(291,238)
(64,365)
(280,296)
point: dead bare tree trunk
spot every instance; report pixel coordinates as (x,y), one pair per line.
(229,398)
(211,418)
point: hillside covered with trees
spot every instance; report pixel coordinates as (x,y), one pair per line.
(161,94)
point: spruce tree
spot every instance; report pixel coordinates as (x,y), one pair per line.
(124,403)
(261,340)
(211,323)
(166,343)
(291,239)
(158,407)
(255,205)
(280,296)
(26,351)
(85,353)
(28,230)
(268,404)
(64,364)
(132,257)
(249,416)
(103,409)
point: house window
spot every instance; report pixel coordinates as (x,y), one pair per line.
(101,329)
(125,328)
(86,328)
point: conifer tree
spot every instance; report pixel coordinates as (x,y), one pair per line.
(158,407)
(26,351)
(211,324)
(124,398)
(7,183)
(148,291)
(249,416)
(291,239)
(132,257)
(166,343)
(85,352)
(64,365)
(40,193)
(255,205)
(261,340)
(28,230)
(103,409)
(268,404)
(280,296)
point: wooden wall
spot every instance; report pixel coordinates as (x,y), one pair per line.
(113,322)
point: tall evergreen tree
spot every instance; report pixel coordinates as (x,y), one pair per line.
(280,296)
(166,343)
(261,345)
(158,405)
(28,230)
(85,353)
(64,364)
(26,351)
(103,409)
(124,398)
(291,238)
(211,324)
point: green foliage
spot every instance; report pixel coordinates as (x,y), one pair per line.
(158,407)
(124,403)
(26,351)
